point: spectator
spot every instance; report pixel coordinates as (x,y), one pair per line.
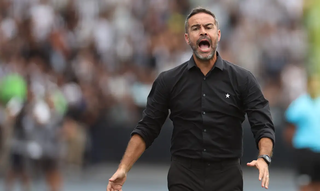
(303,133)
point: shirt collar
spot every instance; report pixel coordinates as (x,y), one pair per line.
(218,63)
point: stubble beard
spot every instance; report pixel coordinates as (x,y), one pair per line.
(199,56)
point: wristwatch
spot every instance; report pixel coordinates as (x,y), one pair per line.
(266,158)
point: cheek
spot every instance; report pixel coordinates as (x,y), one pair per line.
(193,38)
(215,39)
(214,35)
(190,41)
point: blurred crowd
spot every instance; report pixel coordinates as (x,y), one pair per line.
(81,63)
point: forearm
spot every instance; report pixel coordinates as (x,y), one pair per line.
(265,146)
(135,148)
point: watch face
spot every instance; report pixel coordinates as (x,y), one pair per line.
(267,158)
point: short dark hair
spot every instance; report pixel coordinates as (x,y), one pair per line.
(196,11)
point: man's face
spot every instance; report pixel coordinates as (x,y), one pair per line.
(203,35)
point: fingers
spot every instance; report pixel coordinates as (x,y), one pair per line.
(261,176)
(116,181)
(114,187)
(264,178)
(109,187)
(263,172)
(267,181)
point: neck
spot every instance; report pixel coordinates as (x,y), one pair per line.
(205,65)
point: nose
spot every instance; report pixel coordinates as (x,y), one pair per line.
(203,32)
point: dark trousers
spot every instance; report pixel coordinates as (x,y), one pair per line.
(308,163)
(195,175)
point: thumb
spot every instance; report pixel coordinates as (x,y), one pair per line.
(116,176)
(113,178)
(252,163)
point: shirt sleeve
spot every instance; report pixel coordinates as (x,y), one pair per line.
(258,111)
(155,113)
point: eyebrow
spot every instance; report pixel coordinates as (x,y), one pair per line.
(197,25)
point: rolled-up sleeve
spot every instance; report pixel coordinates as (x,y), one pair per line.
(258,111)
(155,113)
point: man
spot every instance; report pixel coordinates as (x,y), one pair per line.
(207,98)
(36,143)
(18,162)
(303,132)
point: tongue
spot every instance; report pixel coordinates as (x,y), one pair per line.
(204,47)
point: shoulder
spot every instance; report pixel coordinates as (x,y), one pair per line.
(298,109)
(302,98)
(236,69)
(241,76)
(298,103)
(173,72)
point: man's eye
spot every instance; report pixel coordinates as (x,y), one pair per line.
(194,29)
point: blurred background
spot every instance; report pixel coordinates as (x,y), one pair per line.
(75,75)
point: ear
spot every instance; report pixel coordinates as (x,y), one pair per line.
(219,35)
(186,38)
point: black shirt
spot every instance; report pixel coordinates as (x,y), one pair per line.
(207,111)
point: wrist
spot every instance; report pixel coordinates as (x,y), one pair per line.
(261,159)
(123,168)
(266,158)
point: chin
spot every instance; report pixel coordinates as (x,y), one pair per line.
(204,57)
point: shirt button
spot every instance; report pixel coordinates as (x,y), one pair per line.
(204,78)
(204,95)
(204,130)
(204,150)
(203,113)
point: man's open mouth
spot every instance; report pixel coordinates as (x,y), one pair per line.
(204,45)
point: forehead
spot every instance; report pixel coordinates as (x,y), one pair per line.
(201,18)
